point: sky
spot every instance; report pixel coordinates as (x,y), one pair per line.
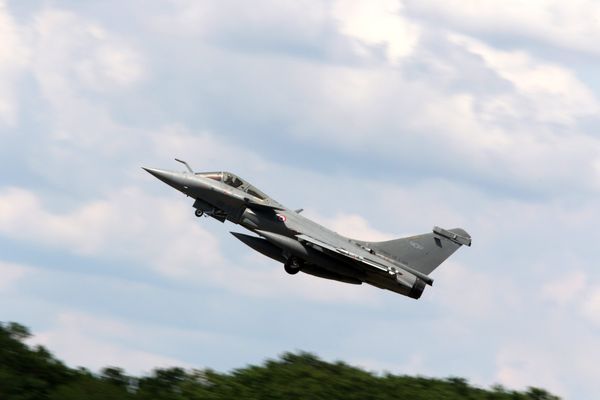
(380,118)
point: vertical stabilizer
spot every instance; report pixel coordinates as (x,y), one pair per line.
(426,252)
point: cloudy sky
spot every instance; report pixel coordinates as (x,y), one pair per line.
(380,118)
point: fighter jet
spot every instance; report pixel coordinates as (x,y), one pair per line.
(401,265)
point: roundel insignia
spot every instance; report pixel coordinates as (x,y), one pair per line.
(416,245)
(281,218)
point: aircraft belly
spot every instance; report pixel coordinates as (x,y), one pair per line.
(337,268)
(346,266)
(375,274)
(312,256)
(326,274)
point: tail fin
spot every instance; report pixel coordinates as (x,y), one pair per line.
(424,252)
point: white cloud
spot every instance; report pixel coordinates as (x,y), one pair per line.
(110,66)
(506,136)
(569,25)
(299,25)
(97,342)
(378,23)
(11,274)
(14,57)
(524,132)
(22,216)
(203,149)
(74,62)
(509,136)
(72,53)
(551,91)
(521,366)
(128,224)
(468,293)
(68,57)
(590,306)
(566,289)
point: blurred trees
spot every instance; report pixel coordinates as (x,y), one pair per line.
(33,373)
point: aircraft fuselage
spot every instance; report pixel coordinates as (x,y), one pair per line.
(300,243)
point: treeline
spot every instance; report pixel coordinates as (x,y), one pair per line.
(28,373)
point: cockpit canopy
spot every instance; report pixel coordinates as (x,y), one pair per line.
(234,181)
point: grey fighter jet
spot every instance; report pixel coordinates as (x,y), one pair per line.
(401,265)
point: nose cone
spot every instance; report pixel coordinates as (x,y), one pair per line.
(174,179)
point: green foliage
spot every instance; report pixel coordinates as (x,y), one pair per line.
(89,388)
(33,373)
(27,373)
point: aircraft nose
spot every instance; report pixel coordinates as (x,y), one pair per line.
(158,173)
(168,177)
